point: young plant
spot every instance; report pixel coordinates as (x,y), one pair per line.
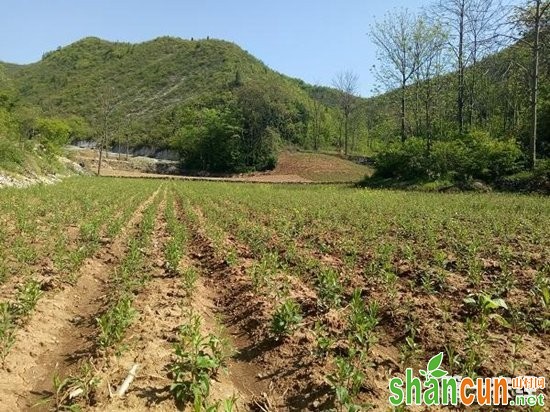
(347,380)
(329,288)
(362,321)
(84,384)
(286,317)
(27,297)
(189,278)
(7,330)
(323,339)
(197,360)
(113,323)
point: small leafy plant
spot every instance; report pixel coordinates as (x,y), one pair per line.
(27,297)
(113,323)
(197,360)
(286,318)
(7,329)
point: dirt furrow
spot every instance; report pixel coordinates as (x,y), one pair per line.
(295,377)
(224,294)
(163,307)
(61,328)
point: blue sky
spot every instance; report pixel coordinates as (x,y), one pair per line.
(308,39)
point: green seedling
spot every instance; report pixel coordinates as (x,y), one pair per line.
(113,323)
(286,317)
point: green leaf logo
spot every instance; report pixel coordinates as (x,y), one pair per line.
(433,367)
(435,362)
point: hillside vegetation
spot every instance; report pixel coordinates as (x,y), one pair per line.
(459,105)
(172,93)
(223,110)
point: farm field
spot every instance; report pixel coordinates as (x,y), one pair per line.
(230,296)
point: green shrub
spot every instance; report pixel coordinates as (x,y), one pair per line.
(54,133)
(403,160)
(475,155)
(10,154)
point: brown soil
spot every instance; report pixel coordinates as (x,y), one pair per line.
(292,378)
(292,167)
(60,329)
(260,178)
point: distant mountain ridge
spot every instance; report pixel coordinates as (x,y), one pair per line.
(144,82)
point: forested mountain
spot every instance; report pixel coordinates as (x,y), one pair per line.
(497,101)
(175,93)
(468,92)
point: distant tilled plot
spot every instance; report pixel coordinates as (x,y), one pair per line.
(265,297)
(292,167)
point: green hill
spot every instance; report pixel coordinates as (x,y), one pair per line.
(146,85)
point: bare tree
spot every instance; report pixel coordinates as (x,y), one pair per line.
(106,107)
(316,116)
(432,63)
(346,83)
(453,15)
(484,19)
(529,19)
(474,26)
(397,39)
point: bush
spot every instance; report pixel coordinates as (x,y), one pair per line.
(475,155)
(10,154)
(537,180)
(403,160)
(54,133)
(215,140)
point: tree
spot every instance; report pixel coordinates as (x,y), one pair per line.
(347,85)
(399,43)
(316,116)
(473,26)
(432,63)
(106,108)
(484,19)
(261,109)
(453,15)
(53,133)
(530,19)
(210,140)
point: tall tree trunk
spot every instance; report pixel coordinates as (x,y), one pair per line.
(346,132)
(100,156)
(403,90)
(460,100)
(535,88)
(428,118)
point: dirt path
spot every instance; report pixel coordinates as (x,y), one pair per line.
(258,178)
(60,323)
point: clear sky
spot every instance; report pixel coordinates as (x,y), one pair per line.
(308,39)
